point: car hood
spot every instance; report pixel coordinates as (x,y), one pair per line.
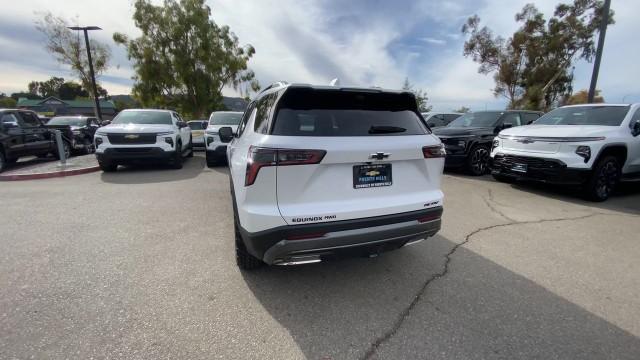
(462,131)
(559,131)
(216,128)
(135,128)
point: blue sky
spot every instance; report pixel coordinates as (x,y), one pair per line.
(362,42)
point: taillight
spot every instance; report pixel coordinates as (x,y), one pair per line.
(260,157)
(434,151)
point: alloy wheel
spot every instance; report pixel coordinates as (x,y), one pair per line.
(479,160)
(607,178)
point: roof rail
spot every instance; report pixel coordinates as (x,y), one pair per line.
(274,85)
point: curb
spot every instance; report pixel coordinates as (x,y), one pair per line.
(47,175)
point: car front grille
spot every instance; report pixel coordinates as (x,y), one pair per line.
(132,139)
(532,162)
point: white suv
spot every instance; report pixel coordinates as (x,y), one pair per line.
(216,150)
(142,136)
(593,145)
(322,171)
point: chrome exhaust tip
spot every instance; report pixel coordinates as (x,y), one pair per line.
(298,260)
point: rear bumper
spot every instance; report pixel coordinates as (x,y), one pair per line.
(539,169)
(134,154)
(343,238)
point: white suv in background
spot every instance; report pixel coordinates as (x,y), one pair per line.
(143,136)
(593,145)
(322,171)
(216,151)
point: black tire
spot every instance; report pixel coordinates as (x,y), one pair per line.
(108,167)
(604,179)
(212,162)
(190,155)
(3,164)
(244,260)
(11,161)
(176,162)
(503,178)
(67,150)
(478,160)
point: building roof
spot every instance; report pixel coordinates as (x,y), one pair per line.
(71,103)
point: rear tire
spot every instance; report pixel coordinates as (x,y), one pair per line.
(478,160)
(176,162)
(212,162)
(604,179)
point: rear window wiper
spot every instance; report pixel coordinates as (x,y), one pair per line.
(385,129)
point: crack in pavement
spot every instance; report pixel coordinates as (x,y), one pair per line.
(488,201)
(404,314)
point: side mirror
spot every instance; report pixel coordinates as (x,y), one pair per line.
(226,134)
(182,124)
(635,130)
(507,125)
(105,122)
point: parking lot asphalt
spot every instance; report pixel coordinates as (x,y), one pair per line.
(139,264)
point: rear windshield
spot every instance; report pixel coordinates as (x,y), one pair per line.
(478,119)
(228,118)
(143,117)
(311,112)
(585,115)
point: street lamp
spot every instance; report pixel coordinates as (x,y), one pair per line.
(93,77)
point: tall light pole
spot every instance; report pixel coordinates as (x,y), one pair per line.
(596,64)
(93,77)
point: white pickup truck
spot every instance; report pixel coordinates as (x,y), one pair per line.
(593,145)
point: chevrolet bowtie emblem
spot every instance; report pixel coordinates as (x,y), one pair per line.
(525,141)
(372,173)
(131,136)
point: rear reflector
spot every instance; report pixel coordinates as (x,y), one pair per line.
(259,157)
(305,236)
(434,151)
(428,218)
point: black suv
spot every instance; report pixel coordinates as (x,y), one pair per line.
(23,134)
(468,138)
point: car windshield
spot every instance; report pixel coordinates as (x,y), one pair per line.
(585,115)
(143,117)
(195,125)
(72,121)
(226,118)
(478,119)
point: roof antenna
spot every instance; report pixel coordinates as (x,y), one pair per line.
(335,82)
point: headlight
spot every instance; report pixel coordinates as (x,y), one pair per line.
(76,132)
(585,152)
(100,134)
(165,133)
(211,132)
(169,141)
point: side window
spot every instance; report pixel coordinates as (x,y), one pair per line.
(636,117)
(264,111)
(9,120)
(512,118)
(245,119)
(529,117)
(450,117)
(29,119)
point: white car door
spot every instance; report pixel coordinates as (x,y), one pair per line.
(185,132)
(634,146)
(238,148)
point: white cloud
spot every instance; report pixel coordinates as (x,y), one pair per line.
(433,41)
